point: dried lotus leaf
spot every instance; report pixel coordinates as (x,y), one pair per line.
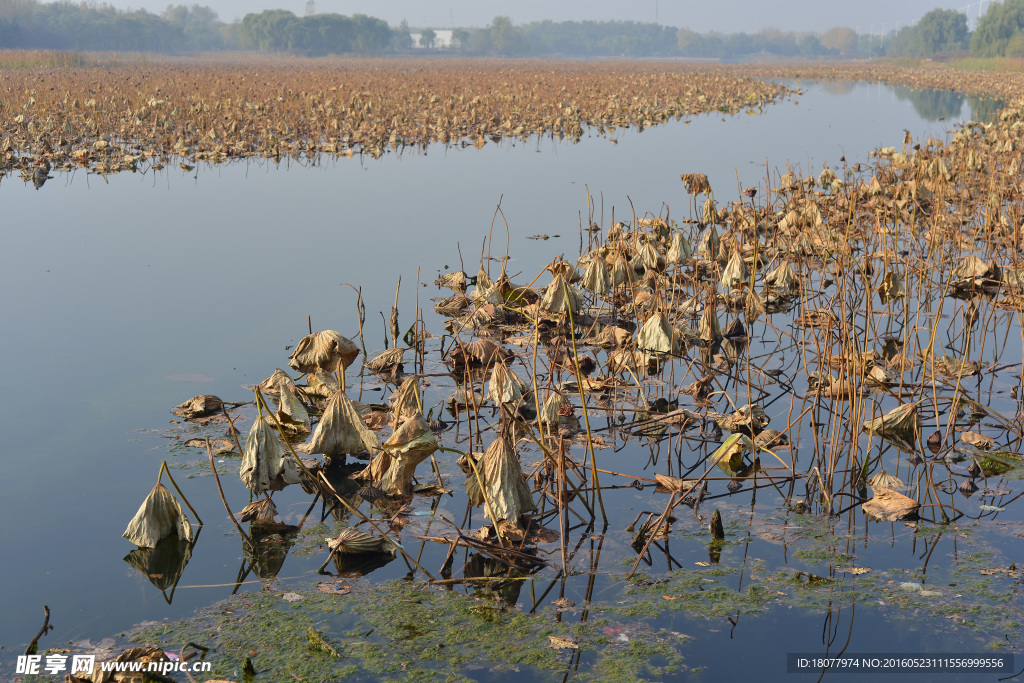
(266,463)
(782,277)
(611,337)
(279,379)
(323,351)
(622,272)
(749,419)
(596,278)
(559,297)
(505,386)
(479,352)
(890,506)
(898,426)
(506,495)
(884,480)
(408,446)
(735,273)
(656,335)
(355,541)
(322,384)
(456,281)
(406,401)
(891,288)
(709,216)
(696,183)
(290,412)
(341,431)
(650,258)
(158,517)
(709,330)
(260,512)
(386,360)
(199,406)
(679,250)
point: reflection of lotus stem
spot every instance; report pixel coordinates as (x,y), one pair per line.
(159,475)
(583,402)
(216,478)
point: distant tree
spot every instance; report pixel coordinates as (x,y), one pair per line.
(995,28)
(310,7)
(840,38)
(941,30)
(402,37)
(427,37)
(505,37)
(810,45)
(1015,46)
(686,40)
(460,38)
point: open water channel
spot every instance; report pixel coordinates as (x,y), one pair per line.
(124,296)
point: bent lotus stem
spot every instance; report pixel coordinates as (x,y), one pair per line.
(160,473)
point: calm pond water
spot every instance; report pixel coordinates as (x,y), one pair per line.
(127,295)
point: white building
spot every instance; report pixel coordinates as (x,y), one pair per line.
(442,38)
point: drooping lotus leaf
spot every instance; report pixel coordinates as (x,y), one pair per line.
(158,517)
(559,297)
(612,336)
(972,271)
(709,330)
(505,491)
(729,456)
(260,512)
(266,463)
(826,177)
(650,258)
(386,360)
(679,251)
(395,464)
(891,288)
(479,352)
(782,277)
(323,351)
(406,401)
(656,335)
(290,412)
(709,216)
(456,281)
(504,385)
(898,426)
(341,431)
(622,272)
(279,379)
(597,278)
(483,281)
(735,273)
(322,384)
(696,183)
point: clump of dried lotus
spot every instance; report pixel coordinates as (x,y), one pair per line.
(505,495)
(559,297)
(323,351)
(266,463)
(341,431)
(973,272)
(612,337)
(158,517)
(479,352)
(696,183)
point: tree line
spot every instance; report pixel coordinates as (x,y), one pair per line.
(180,28)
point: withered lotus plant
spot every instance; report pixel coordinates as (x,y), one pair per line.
(393,467)
(266,463)
(341,431)
(323,351)
(505,494)
(159,516)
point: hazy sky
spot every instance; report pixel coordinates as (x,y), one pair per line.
(866,16)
